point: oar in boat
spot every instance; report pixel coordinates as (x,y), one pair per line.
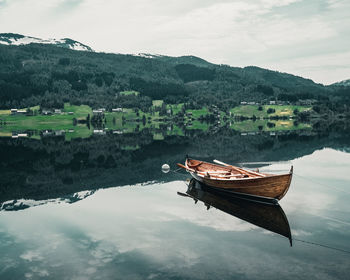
(185,167)
(210,173)
(248,172)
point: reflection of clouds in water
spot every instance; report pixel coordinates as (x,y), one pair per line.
(325,164)
(305,193)
(103,252)
(116,223)
(31,255)
(36,272)
(300,232)
(151,232)
(212,218)
(307,200)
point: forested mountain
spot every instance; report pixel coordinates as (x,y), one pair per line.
(48,75)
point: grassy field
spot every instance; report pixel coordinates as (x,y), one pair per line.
(130,148)
(40,122)
(79,111)
(175,131)
(126,121)
(20,122)
(5,112)
(199,112)
(280,110)
(157,103)
(129,92)
(176,108)
(197,125)
(8,112)
(79,132)
(158,136)
(271,125)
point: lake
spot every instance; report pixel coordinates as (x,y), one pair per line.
(101,208)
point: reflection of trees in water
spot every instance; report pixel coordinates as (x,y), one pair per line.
(52,167)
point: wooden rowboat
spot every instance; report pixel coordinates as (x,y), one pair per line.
(238,180)
(267,216)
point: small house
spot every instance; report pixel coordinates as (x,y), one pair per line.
(14,111)
(97,112)
(46,112)
(99,132)
(22,112)
(22,134)
(59,132)
(46,133)
(117,132)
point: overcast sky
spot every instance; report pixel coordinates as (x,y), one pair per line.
(309,38)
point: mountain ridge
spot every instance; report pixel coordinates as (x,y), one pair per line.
(345,83)
(35,73)
(19,39)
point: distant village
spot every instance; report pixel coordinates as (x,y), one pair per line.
(46,112)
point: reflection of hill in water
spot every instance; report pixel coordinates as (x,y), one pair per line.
(53,168)
(21,204)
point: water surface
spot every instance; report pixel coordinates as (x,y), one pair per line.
(111,224)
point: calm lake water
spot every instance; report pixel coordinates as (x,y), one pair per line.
(91,209)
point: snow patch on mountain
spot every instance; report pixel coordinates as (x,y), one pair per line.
(147,55)
(18,39)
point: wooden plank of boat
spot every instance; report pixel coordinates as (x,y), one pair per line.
(249,182)
(216,174)
(240,169)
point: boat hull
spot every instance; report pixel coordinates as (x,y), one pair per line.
(274,187)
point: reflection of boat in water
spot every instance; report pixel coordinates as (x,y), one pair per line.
(234,179)
(268,216)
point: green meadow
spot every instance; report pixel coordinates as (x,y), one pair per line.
(268,125)
(280,111)
(131,120)
(129,92)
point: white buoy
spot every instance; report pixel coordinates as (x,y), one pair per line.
(165,168)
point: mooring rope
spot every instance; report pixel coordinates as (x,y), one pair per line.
(322,245)
(296,239)
(176,171)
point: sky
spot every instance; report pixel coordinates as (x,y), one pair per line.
(308,38)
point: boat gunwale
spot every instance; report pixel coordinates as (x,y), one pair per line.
(218,178)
